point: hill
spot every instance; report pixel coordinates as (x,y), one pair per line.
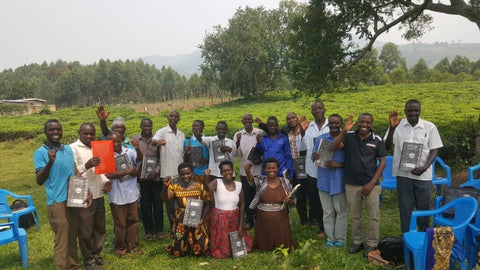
(188,64)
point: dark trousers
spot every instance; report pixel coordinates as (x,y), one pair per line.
(248,194)
(413,193)
(170,206)
(151,206)
(92,230)
(125,218)
(309,191)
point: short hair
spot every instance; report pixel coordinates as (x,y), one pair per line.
(412,101)
(317,102)
(225,162)
(222,123)
(271,160)
(146,119)
(50,121)
(366,114)
(272,118)
(336,115)
(184,165)
(200,122)
(90,124)
(113,133)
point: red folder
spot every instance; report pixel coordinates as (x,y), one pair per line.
(104,150)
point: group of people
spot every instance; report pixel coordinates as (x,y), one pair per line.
(272,161)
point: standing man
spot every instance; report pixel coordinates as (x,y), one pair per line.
(198,169)
(310,131)
(362,148)
(225,150)
(93,230)
(54,164)
(275,144)
(414,184)
(245,140)
(151,205)
(170,139)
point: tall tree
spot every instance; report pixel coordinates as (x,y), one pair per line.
(443,65)
(460,64)
(420,71)
(390,57)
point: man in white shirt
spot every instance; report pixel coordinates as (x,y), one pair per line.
(170,139)
(414,185)
(245,140)
(92,219)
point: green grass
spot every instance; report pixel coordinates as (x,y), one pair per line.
(445,104)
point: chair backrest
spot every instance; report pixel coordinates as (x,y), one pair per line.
(471,170)
(387,172)
(465,209)
(3,195)
(4,209)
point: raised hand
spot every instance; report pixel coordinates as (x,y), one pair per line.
(303,122)
(393,118)
(101,113)
(349,123)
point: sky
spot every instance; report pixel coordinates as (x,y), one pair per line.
(33,31)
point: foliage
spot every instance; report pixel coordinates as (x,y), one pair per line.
(11,109)
(390,57)
(420,71)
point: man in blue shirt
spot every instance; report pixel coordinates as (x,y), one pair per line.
(54,164)
(274,144)
(198,169)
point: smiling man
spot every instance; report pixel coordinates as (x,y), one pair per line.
(414,184)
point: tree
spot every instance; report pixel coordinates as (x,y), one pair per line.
(443,65)
(399,75)
(420,71)
(460,64)
(390,57)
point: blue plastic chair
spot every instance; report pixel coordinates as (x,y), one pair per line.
(472,182)
(388,180)
(17,214)
(11,232)
(416,242)
(439,181)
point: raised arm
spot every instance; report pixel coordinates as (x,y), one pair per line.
(102,116)
(394,121)
(337,142)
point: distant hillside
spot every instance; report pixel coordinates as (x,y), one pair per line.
(433,53)
(185,64)
(188,64)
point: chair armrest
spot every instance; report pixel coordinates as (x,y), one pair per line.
(438,202)
(471,170)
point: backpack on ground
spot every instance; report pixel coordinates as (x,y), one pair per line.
(391,249)
(25,221)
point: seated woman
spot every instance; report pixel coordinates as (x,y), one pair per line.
(272,228)
(227,215)
(187,240)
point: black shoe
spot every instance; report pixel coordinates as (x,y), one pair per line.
(355,248)
(368,249)
(249,225)
(91,266)
(100,261)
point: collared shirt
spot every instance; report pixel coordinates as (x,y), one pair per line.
(82,154)
(193,142)
(56,185)
(361,157)
(279,148)
(171,154)
(124,191)
(147,147)
(330,180)
(212,165)
(292,139)
(425,133)
(247,141)
(307,142)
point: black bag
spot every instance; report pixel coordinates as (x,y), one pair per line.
(25,221)
(391,249)
(452,193)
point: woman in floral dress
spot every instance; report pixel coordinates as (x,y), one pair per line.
(187,240)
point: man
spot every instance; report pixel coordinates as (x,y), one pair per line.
(54,164)
(151,205)
(310,131)
(217,153)
(123,199)
(93,230)
(118,125)
(414,183)
(274,144)
(362,148)
(170,139)
(245,140)
(198,169)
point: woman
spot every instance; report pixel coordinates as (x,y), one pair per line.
(227,216)
(272,228)
(187,240)
(331,187)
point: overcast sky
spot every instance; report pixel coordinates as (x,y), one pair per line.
(33,31)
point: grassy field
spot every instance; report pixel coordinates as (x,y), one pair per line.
(442,103)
